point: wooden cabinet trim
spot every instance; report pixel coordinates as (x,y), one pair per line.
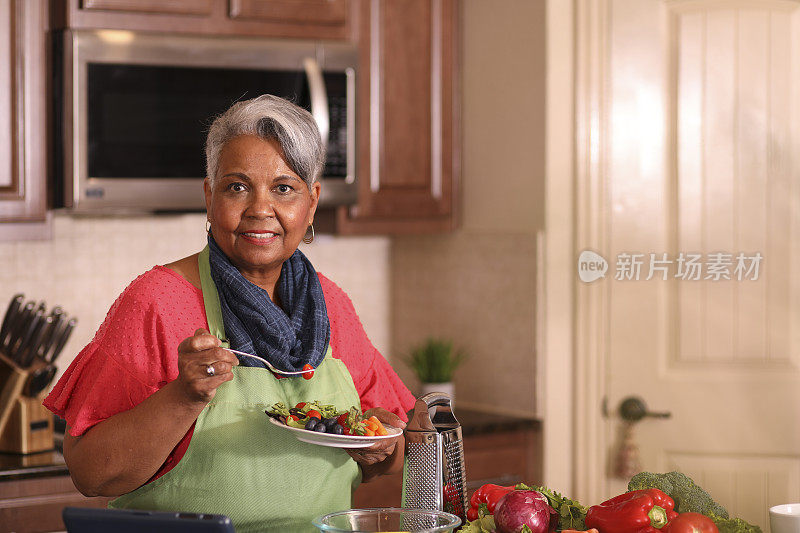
(328,12)
(25,198)
(216,21)
(183,7)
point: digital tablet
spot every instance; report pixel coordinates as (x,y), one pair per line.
(98,520)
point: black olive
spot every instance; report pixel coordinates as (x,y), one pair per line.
(336,429)
(320,428)
(311,424)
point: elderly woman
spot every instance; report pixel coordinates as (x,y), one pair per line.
(163,417)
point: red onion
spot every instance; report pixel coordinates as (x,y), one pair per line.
(521,508)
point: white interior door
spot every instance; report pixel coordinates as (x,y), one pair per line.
(689,138)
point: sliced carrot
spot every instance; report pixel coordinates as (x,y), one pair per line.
(379,429)
(369,432)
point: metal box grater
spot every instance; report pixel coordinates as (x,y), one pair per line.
(434,475)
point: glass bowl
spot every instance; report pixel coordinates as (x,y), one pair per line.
(389,519)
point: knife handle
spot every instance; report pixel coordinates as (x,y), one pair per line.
(10,317)
(63,339)
(49,336)
(17,330)
(37,339)
(33,327)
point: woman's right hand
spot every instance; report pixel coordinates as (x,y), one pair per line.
(196,354)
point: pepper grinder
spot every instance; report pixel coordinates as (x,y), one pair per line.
(434,475)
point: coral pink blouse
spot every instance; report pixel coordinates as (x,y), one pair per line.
(135,352)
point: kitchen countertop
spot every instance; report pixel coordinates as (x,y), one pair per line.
(43,464)
(51,463)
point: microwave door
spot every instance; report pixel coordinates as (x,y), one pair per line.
(135,115)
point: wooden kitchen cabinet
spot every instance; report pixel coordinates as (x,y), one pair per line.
(23,126)
(302,19)
(408,120)
(35,504)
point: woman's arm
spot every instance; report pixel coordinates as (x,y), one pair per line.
(384,457)
(122,452)
(392,464)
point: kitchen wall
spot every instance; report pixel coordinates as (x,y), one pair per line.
(89,261)
(478,285)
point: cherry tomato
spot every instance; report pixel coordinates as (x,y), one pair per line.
(314,413)
(690,523)
(300,405)
(308,375)
(342,420)
(294,417)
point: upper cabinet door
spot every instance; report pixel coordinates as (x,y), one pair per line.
(23,151)
(408,161)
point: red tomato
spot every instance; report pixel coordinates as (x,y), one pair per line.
(690,523)
(342,420)
(300,405)
(314,413)
(308,375)
(294,417)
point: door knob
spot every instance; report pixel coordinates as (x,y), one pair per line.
(633,409)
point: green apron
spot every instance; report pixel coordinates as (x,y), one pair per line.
(240,465)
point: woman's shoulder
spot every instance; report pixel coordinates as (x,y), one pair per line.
(336,300)
(158,287)
(186,268)
(159,280)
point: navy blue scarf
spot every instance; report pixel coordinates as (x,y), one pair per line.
(256,325)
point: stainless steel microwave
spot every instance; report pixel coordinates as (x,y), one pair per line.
(133,109)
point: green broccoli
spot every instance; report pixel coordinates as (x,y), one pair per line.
(688,497)
(734,525)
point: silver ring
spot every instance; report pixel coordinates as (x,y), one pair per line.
(210,370)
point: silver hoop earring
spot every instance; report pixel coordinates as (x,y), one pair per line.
(306,238)
(208,226)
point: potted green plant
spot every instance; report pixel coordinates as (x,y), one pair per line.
(434,362)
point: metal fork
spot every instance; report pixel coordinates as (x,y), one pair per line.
(269,365)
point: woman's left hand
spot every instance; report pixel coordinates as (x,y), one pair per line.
(386,448)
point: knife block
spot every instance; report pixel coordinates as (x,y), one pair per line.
(29,428)
(12,380)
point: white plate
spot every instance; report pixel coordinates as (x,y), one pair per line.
(337,441)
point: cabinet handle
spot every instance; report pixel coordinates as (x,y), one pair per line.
(319,97)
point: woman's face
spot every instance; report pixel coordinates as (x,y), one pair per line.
(258,207)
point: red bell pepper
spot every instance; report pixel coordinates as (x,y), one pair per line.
(488,494)
(638,511)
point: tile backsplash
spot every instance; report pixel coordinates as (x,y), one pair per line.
(89,262)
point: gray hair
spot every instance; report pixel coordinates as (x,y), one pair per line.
(270,118)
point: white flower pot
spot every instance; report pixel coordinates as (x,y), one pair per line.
(447,388)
